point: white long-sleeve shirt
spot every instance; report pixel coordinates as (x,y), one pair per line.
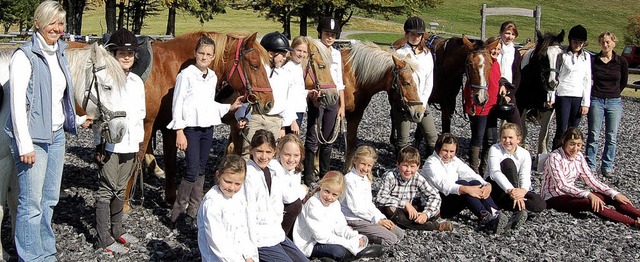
(358,201)
(20,71)
(444,176)
(194,102)
(326,225)
(264,209)
(292,186)
(575,77)
(222,228)
(297,94)
(133,99)
(506,57)
(279,81)
(423,75)
(521,158)
(336,68)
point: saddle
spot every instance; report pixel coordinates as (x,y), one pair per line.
(144,58)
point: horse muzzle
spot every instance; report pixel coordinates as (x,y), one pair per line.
(329,98)
(480,97)
(416,112)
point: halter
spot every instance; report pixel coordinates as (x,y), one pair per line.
(239,66)
(106,115)
(396,86)
(468,67)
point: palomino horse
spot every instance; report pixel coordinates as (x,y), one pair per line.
(239,64)
(93,69)
(539,72)
(368,69)
(317,74)
(449,68)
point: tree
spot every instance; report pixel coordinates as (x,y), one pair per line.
(17,12)
(74,10)
(632,34)
(110,15)
(202,9)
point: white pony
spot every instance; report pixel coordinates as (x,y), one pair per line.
(93,69)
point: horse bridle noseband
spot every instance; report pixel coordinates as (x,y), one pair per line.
(239,66)
(106,115)
(397,87)
(467,69)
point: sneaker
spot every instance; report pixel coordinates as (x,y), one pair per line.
(117,248)
(518,219)
(498,223)
(608,174)
(445,226)
(127,238)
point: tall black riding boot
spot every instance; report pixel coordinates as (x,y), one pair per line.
(325,159)
(117,206)
(309,167)
(474,155)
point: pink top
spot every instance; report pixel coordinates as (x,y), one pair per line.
(560,173)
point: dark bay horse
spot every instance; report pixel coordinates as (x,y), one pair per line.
(368,69)
(239,64)
(539,72)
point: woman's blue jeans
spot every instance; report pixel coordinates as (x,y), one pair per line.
(38,194)
(609,112)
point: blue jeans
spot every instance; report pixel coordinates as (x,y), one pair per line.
(38,194)
(609,111)
(283,252)
(333,251)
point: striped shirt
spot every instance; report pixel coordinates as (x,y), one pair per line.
(560,173)
(396,192)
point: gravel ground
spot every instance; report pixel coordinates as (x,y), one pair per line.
(549,236)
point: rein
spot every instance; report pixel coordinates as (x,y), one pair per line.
(239,66)
(310,70)
(397,87)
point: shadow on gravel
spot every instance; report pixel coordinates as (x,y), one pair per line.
(75,212)
(160,250)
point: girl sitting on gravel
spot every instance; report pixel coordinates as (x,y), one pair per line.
(460,186)
(322,231)
(407,198)
(357,206)
(264,189)
(509,172)
(566,164)
(290,155)
(222,222)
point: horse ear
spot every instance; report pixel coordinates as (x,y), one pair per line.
(251,39)
(560,36)
(492,45)
(398,62)
(467,43)
(538,35)
(400,43)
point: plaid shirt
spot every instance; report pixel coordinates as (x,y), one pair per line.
(560,173)
(396,192)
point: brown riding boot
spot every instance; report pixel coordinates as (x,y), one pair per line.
(474,158)
(196,197)
(182,200)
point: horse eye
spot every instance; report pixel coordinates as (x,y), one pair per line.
(254,67)
(108,87)
(406,84)
(322,66)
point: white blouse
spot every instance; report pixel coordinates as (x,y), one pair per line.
(336,68)
(423,75)
(134,100)
(358,201)
(292,186)
(444,176)
(521,158)
(326,225)
(194,102)
(297,93)
(222,228)
(506,57)
(575,77)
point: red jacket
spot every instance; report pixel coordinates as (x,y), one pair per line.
(493,89)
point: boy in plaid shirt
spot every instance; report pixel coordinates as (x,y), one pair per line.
(406,197)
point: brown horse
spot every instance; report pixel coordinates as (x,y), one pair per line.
(478,70)
(368,69)
(239,64)
(317,74)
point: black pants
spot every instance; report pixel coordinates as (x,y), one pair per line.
(534,202)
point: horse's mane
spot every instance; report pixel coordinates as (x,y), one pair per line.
(369,62)
(5,59)
(80,65)
(543,43)
(325,53)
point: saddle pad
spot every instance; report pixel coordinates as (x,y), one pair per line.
(144,58)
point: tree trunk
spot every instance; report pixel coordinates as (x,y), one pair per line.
(303,20)
(121,14)
(286,26)
(171,21)
(110,15)
(74,15)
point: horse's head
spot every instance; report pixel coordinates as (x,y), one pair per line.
(403,83)
(479,68)
(99,84)
(244,62)
(317,72)
(548,52)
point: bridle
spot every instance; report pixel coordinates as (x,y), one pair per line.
(106,115)
(310,71)
(239,66)
(468,69)
(547,71)
(396,86)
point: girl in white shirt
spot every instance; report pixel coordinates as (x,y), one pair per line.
(572,98)
(195,112)
(290,154)
(509,170)
(358,207)
(264,190)
(297,93)
(321,229)
(222,223)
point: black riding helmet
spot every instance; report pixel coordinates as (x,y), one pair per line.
(329,24)
(275,42)
(122,39)
(414,24)
(578,33)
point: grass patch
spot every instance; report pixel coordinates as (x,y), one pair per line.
(378,38)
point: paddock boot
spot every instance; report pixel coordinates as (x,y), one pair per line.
(474,155)
(196,196)
(102,224)
(182,200)
(309,167)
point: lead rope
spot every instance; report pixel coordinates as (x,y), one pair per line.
(337,128)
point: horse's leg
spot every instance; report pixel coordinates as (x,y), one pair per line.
(353,121)
(170,150)
(150,162)
(447,113)
(543,136)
